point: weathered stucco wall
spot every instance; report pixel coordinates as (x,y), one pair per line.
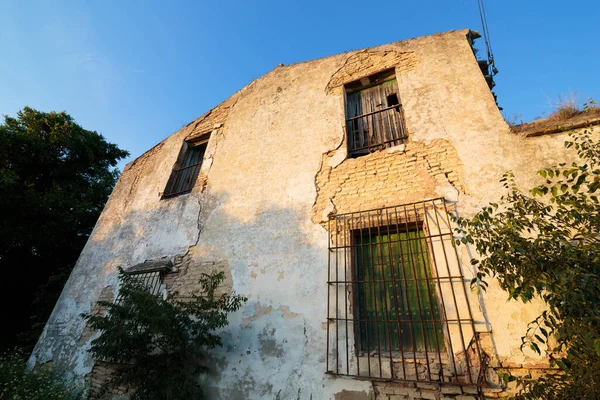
(275,167)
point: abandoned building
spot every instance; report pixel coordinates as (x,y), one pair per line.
(324,190)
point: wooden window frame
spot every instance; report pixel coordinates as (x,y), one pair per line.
(183,177)
(373,129)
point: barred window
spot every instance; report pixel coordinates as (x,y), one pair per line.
(398,306)
(186,169)
(374,118)
(149,274)
(152,281)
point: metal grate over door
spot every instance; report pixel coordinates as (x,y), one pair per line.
(398,303)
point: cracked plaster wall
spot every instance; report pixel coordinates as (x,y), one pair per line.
(275,167)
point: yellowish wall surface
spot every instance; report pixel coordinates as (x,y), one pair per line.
(276,166)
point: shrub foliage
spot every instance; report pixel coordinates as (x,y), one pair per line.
(45,383)
(159,344)
(546,244)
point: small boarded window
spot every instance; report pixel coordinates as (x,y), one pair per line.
(374,118)
(187,168)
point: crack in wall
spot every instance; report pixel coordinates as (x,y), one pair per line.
(328,155)
(328,88)
(139,164)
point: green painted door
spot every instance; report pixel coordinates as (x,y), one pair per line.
(397,303)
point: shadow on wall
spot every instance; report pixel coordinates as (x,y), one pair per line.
(276,257)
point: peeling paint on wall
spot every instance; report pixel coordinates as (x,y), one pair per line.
(275,168)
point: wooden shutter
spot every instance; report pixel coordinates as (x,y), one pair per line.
(185,173)
(373,122)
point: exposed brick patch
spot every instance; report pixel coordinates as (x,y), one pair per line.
(216,116)
(388,177)
(365,63)
(434,391)
(97,379)
(107,295)
(185,281)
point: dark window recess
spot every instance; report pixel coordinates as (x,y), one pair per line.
(374,118)
(398,306)
(392,100)
(185,172)
(151,281)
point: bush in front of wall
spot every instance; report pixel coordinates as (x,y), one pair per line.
(17,382)
(159,344)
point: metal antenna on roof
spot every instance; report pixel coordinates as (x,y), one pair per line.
(486,37)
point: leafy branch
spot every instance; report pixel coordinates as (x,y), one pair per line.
(158,345)
(545,244)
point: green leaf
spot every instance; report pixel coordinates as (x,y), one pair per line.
(597,346)
(564,188)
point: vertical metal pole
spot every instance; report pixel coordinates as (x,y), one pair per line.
(373,267)
(384,283)
(395,289)
(437,272)
(411,323)
(412,263)
(427,282)
(328,291)
(346,232)
(460,328)
(337,305)
(364,282)
(477,348)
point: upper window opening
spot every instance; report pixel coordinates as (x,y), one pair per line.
(186,169)
(374,119)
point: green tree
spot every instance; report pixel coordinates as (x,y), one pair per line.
(546,244)
(158,345)
(55,178)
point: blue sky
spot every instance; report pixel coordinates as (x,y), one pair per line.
(136,71)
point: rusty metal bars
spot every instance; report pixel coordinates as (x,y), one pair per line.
(375,130)
(149,280)
(398,303)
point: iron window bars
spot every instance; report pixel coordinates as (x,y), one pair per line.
(185,172)
(374,116)
(398,307)
(152,281)
(149,274)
